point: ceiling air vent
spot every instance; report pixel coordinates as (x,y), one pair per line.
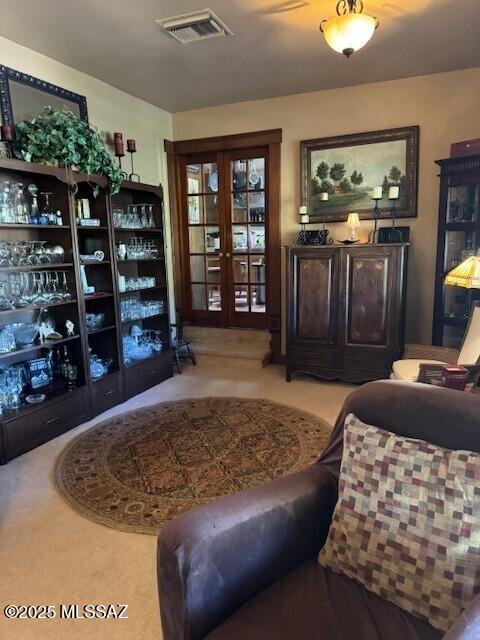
(196,26)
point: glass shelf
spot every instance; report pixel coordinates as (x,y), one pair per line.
(46,344)
(136,363)
(137,229)
(155,288)
(38,267)
(94,332)
(7,225)
(41,306)
(98,296)
(27,409)
(127,260)
(156,315)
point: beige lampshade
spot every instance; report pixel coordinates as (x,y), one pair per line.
(353,220)
(350,32)
(466,274)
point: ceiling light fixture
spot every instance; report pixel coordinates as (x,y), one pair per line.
(351,29)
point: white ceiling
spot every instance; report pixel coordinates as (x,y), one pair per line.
(277,48)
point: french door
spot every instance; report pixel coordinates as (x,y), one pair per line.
(225,231)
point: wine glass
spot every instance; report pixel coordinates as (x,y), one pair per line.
(64,289)
(39,297)
(5,301)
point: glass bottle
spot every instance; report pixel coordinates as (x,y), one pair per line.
(20,205)
(34,210)
(65,362)
(5,203)
(45,214)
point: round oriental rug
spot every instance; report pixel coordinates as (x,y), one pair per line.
(138,470)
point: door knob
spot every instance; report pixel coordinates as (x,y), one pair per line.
(220,255)
(228,255)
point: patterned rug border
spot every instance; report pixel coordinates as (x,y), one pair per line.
(135,529)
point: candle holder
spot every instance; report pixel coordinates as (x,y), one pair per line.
(373,235)
(7,137)
(119,152)
(124,173)
(396,234)
(302,236)
(132,148)
(316,237)
(393,212)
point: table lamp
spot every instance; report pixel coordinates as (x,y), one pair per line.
(466,274)
(353,222)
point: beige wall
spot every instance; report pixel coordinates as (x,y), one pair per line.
(108,108)
(447,108)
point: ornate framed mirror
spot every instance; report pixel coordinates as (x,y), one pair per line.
(23,96)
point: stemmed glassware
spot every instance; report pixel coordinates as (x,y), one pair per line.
(138,216)
(18,253)
(141,249)
(36,288)
(136,309)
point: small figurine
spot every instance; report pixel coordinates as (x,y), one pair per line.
(70,327)
(44,331)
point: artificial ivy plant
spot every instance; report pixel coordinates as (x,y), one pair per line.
(63,137)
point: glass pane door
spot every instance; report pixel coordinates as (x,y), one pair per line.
(462,217)
(204,240)
(463,203)
(247,210)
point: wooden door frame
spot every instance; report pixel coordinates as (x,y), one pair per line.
(175,151)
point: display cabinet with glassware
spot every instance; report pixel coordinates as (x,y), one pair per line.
(60,326)
(458,238)
(137,214)
(43,382)
(97,290)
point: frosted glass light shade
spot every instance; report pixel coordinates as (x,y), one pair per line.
(466,274)
(350,32)
(353,220)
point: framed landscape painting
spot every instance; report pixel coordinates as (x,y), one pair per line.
(349,167)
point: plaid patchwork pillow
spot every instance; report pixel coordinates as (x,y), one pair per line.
(407,522)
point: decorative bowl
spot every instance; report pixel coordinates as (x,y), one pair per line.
(35,398)
(94,321)
(24,333)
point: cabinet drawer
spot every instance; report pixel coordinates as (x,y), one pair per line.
(44,423)
(107,393)
(147,374)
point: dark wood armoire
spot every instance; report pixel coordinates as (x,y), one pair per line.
(346,310)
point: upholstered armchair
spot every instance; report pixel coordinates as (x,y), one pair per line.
(421,360)
(245,566)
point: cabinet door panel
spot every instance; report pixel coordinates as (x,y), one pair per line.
(316,298)
(368,283)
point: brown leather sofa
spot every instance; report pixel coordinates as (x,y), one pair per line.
(245,567)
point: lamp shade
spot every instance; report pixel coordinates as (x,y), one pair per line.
(353,220)
(350,32)
(466,274)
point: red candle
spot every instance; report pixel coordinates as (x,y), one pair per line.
(6,133)
(119,149)
(118,136)
(131,145)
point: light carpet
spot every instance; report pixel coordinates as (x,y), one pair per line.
(50,554)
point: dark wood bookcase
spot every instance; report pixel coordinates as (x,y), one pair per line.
(30,425)
(141,374)
(458,237)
